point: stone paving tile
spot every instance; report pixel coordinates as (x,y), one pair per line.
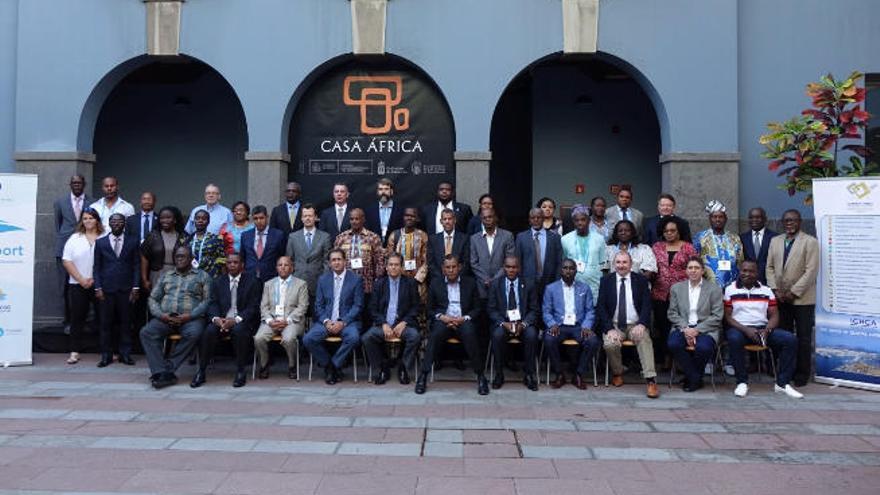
(17,476)
(219,444)
(531,486)
(64,479)
(767,428)
(366,484)
(166,480)
(315,421)
(537,424)
(743,441)
(385,449)
(464,486)
(134,443)
(443,449)
(87,415)
(506,468)
(688,427)
(245,483)
(311,463)
(390,422)
(173,417)
(873,440)
(491,450)
(464,423)
(492,436)
(839,429)
(51,441)
(641,454)
(544,452)
(834,443)
(448,436)
(403,435)
(9,455)
(23,413)
(295,447)
(612,426)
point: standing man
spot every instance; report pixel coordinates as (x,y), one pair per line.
(394,308)
(445,242)
(756,241)
(364,251)
(720,250)
(308,249)
(262,246)
(540,252)
(283,312)
(384,216)
(513,313)
(586,247)
(792,266)
(111,202)
(623,312)
(431,212)
(623,210)
(141,224)
(338,306)
(287,217)
(179,301)
(412,245)
(488,250)
(219,214)
(568,314)
(335,219)
(117,272)
(665,208)
(68,210)
(234,312)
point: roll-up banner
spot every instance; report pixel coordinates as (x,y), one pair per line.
(847,212)
(18,215)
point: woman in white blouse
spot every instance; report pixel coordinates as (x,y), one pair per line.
(624,237)
(78,258)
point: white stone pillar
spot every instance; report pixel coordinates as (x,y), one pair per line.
(471,176)
(696,178)
(267,172)
(368,19)
(163,26)
(580,26)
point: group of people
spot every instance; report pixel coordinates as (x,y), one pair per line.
(390,277)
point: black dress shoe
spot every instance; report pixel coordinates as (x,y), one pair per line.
(264,372)
(292,373)
(559,381)
(198,379)
(330,375)
(380,378)
(126,359)
(531,382)
(165,379)
(498,381)
(240,378)
(106,360)
(482,385)
(579,382)
(403,376)
(693,387)
(422,383)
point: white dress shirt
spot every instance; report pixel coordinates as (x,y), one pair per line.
(632,316)
(438,227)
(693,301)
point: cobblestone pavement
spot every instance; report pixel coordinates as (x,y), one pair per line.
(79,429)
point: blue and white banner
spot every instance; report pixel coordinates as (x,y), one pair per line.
(847,212)
(18,216)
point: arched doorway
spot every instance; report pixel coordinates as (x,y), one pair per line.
(171,125)
(567,122)
(358,118)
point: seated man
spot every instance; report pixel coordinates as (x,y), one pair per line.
(513,311)
(752,318)
(283,312)
(234,312)
(179,301)
(338,304)
(568,314)
(624,312)
(394,308)
(453,308)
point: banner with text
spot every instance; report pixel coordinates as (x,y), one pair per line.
(18,215)
(847,212)
(368,119)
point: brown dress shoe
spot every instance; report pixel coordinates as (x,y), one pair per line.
(653,390)
(617,380)
(559,381)
(579,382)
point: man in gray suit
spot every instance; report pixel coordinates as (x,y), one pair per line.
(488,250)
(308,247)
(623,210)
(282,312)
(68,209)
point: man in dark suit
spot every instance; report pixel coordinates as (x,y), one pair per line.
(139,226)
(308,247)
(68,209)
(623,312)
(665,208)
(334,220)
(756,241)
(453,309)
(287,217)
(448,241)
(431,212)
(338,306)
(513,312)
(262,246)
(384,216)
(540,252)
(394,307)
(234,312)
(116,270)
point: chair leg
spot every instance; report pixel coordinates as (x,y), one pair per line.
(254,367)
(773,363)
(311,364)
(490,362)
(296,349)
(606,370)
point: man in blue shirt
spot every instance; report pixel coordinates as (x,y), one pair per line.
(219,214)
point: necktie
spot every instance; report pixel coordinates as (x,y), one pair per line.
(309,241)
(623,213)
(539,266)
(233,291)
(511,295)
(339,218)
(77,207)
(117,246)
(337,290)
(259,244)
(146,229)
(448,246)
(757,242)
(621,305)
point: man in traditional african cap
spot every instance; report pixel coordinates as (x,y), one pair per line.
(722,251)
(586,248)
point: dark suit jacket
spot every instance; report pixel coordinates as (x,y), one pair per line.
(607,302)
(528,301)
(428,215)
(407,301)
(351,298)
(135,223)
(327,221)
(525,248)
(117,274)
(248,295)
(374,224)
(650,235)
(436,249)
(281,220)
(65,220)
(275,244)
(438,298)
(760,256)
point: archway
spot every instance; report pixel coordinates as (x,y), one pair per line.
(169,125)
(576,127)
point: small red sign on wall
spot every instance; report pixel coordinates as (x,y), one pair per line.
(579,188)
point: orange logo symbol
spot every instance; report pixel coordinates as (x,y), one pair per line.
(378,91)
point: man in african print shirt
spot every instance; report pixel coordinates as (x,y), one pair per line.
(721,251)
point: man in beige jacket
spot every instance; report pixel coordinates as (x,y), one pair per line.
(792,266)
(282,312)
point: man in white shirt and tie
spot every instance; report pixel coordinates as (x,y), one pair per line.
(308,248)
(335,218)
(146,220)
(282,312)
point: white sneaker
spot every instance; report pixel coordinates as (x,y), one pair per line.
(741,390)
(789,391)
(728,370)
(708,370)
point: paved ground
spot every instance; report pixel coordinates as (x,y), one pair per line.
(79,429)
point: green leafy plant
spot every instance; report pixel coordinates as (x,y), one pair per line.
(806,147)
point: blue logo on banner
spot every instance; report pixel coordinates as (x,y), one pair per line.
(1,332)
(8,227)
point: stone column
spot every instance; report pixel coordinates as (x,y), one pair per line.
(267,173)
(471,176)
(580,26)
(163,26)
(368,19)
(54,170)
(696,178)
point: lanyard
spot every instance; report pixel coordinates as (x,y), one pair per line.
(355,246)
(201,245)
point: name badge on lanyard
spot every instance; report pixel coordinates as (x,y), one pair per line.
(581,266)
(409,265)
(279,311)
(357,263)
(513,315)
(569,320)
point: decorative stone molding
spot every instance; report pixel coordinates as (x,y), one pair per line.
(267,172)
(368,18)
(163,26)
(471,175)
(580,26)
(696,178)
